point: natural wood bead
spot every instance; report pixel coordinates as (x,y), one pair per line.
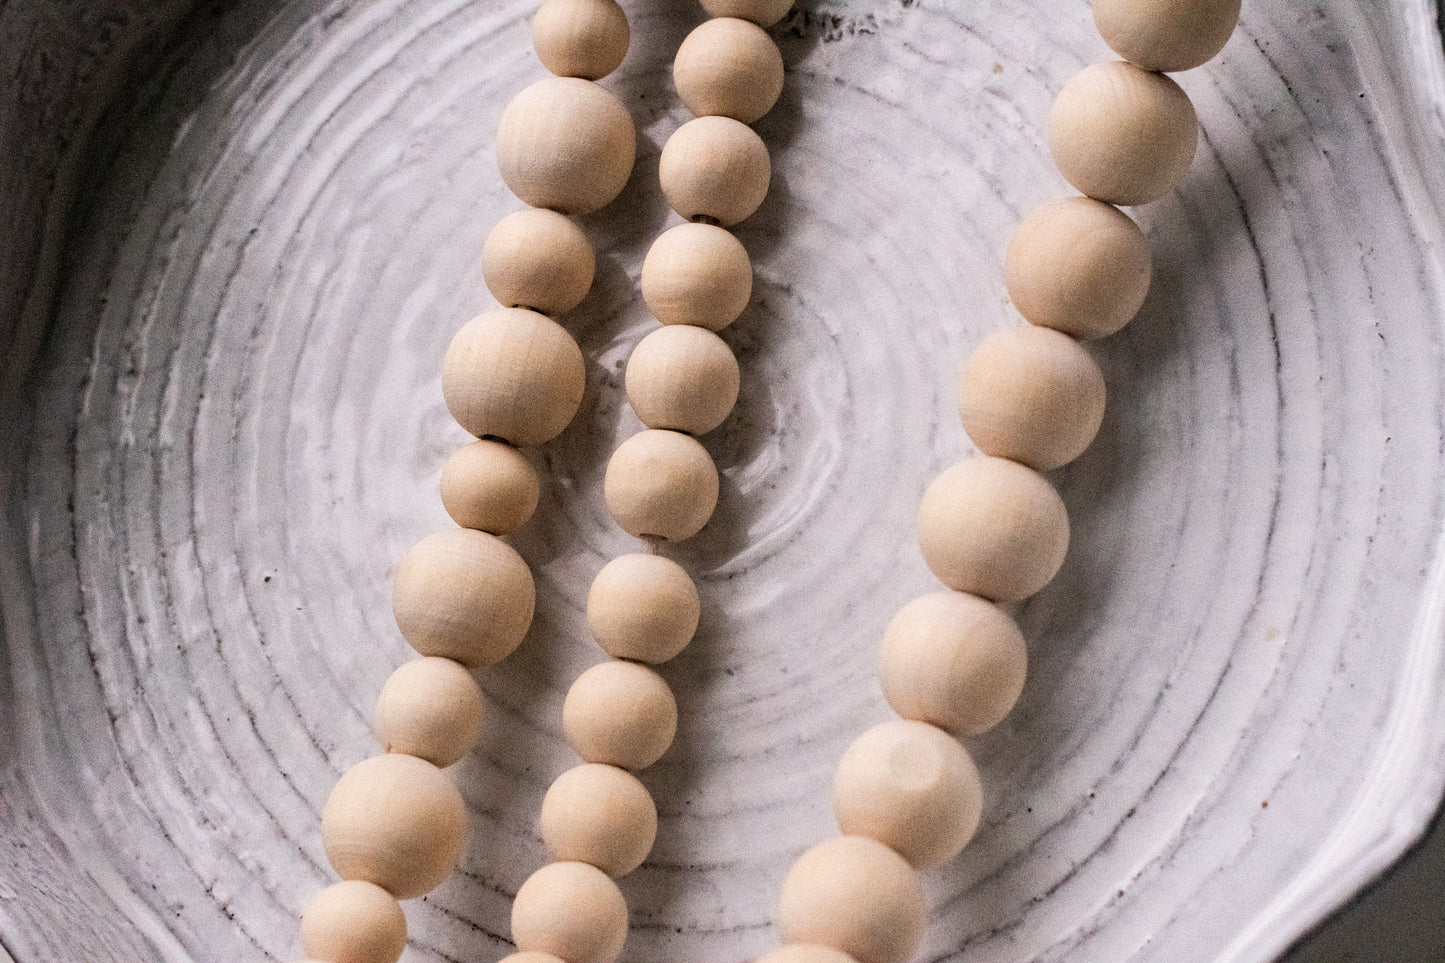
(515,375)
(643,607)
(697,274)
(580,38)
(715,168)
(801,953)
(463,595)
(489,486)
(538,259)
(1121,134)
(855,895)
(994,528)
(683,378)
(911,787)
(1166,34)
(396,821)
(1079,266)
(531,958)
(764,13)
(661,484)
(600,815)
(1033,395)
(566,144)
(730,68)
(620,713)
(430,708)
(354,922)
(573,911)
(953,660)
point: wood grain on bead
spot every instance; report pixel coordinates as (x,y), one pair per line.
(855,895)
(573,911)
(566,144)
(354,922)
(430,708)
(715,168)
(683,378)
(643,607)
(489,486)
(803,953)
(599,815)
(729,68)
(580,38)
(661,484)
(538,259)
(620,713)
(697,274)
(1166,35)
(764,13)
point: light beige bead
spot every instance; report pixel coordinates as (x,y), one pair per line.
(573,911)
(1033,395)
(715,168)
(580,38)
(661,484)
(566,144)
(1121,134)
(802,953)
(953,660)
(643,607)
(515,375)
(697,274)
(600,815)
(489,486)
(430,708)
(683,378)
(1079,266)
(1166,34)
(354,922)
(396,821)
(538,259)
(532,958)
(911,787)
(620,713)
(463,595)
(994,528)
(730,68)
(764,13)
(855,895)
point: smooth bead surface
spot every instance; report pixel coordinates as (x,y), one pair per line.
(730,68)
(538,259)
(715,168)
(531,958)
(855,895)
(573,911)
(566,144)
(764,13)
(643,607)
(430,708)
(599,815)
(683,378)
(661,484)
(580,38)
(1166,34)
(697,274)
(802,953)
(489,486)
(354,922)
(620,713)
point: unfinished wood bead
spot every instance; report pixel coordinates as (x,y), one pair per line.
(354,922)
(764,13)
(730,68)
(643,607)
(515,375)
(599,815)
(396,821)
(715,168)
(463,595)
(620,713)
(538,259)
(1122,134)
(571,910)
(661,484)
(913,788)
(566,144)
(580,38)
(430,708)
(1166,34)
(531,958)
(683,378)
(994,528)
(855,895)
(489,486)
(802,953)
(697,274)
(1079,266)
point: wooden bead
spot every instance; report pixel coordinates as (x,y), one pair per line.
(661,484)
(580,38)
(354,922)
(911,787)
(802,953)
(1166,34)
(532,958)
(430,708)
(1033,395)
(643,607)
(855,895)
(538,259)
(764,13)
(1079,266)
(514,375)
(463,595)
(683,378)
(994,528)
(953,660)
(489,486)
(715,168)
(621,714)
(730,68)
(1121,134)
(697,274)
(573,911)
(566,144)
(396,821)
(599,815)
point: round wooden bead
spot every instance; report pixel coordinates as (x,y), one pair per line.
(1122,134)
(538,259)
(580,38)
(994,528)
(1079,266)
(855,895)
(489,486)
(463,595)
(715,168)
(571,910)
(730,68)
(911,787)
(1033,395)
(953,660)
(1166,34)
(515,375)
(430,708)
(620,713)
(396,821)
(531,958)
(683,378)
(661,484)
(643,607)
(764,13)
(599,815)
(566,144)
(354,922)
(697,274)
(802,953)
